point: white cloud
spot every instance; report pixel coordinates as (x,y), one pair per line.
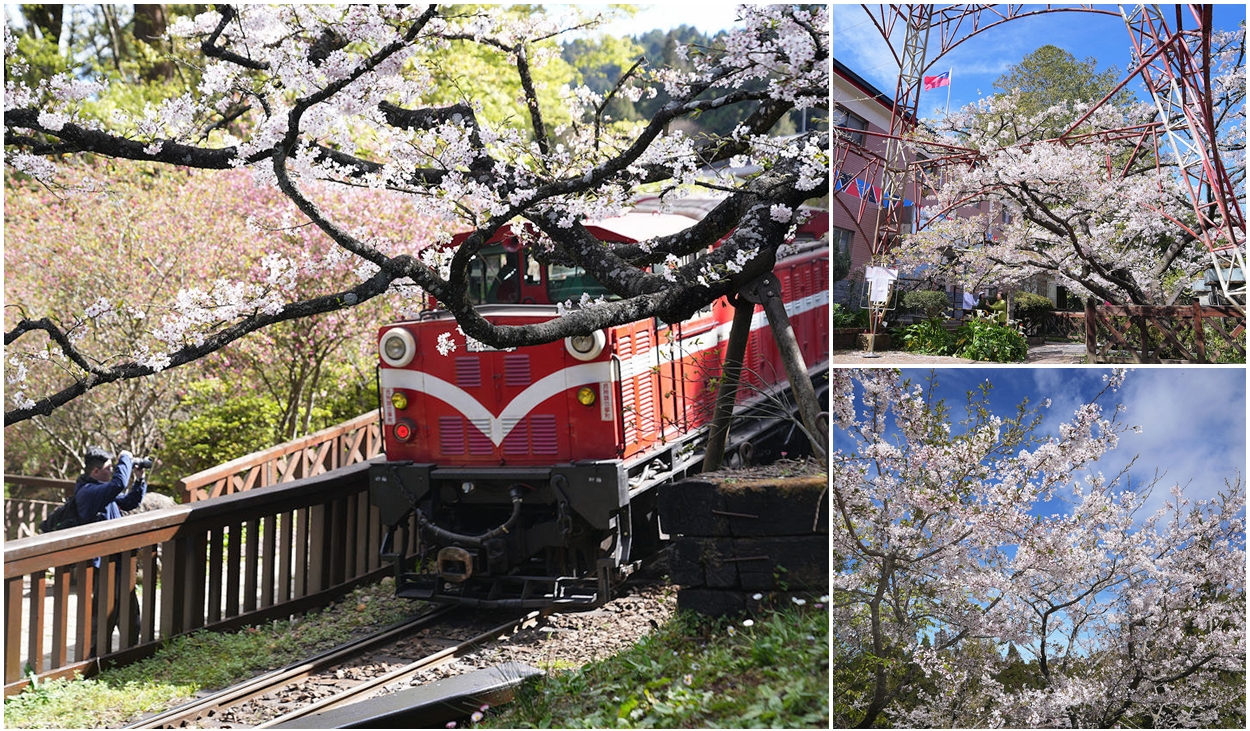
(858,44)
(1193,427)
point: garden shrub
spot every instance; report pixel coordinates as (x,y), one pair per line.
(216,424)
(930,302)
(842,317)
(929,337)
(1032,310)
(987,340)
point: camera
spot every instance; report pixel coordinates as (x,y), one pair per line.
(143,464)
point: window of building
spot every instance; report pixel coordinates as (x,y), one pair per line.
(842,240)
(843,118)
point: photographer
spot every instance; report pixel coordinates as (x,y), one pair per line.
(101,494)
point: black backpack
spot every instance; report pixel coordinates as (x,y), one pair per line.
(66,516)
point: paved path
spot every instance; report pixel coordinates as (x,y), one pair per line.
(1048,354)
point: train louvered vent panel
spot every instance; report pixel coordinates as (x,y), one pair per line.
(543,434)
(518,439)
(479,437)
(532,435)
(646,390)
(468,372)
(624,349)
(516,370)
(451,434)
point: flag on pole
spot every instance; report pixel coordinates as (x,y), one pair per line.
(937,82)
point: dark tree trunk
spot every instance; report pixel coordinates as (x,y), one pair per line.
(150,23)
(727,393)
(47,18)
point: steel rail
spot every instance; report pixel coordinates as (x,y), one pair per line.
(432,661)
(190,712)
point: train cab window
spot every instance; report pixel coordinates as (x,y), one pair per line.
(495,277)
(570,283)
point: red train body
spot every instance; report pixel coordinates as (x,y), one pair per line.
(524,472)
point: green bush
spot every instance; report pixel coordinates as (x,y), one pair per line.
(1032,310)
(987,340)
(843,318)
(930,302)
(928,337)
(214,426)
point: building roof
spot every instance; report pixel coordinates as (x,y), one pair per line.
(871,91)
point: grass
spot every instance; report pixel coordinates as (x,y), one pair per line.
(771,671)
(768,671)
(202,661)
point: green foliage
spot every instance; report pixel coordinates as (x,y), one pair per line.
(487,77)
(843,318)
(1220,350)
(202,661)
(693,673)
(1032,309)
(841,263)
(1051,76)
(930,302)
(43,61)
(929,337)
(603,61)
(215,424)
(989,341)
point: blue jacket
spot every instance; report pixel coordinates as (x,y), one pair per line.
(104,500)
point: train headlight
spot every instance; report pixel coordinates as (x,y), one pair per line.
(585,396)
(397,347)
(586,347)
(399,401)
(404,430)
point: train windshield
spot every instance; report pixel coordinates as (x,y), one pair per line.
(570,283)
(505,275)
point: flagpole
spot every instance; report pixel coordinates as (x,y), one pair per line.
(948,90)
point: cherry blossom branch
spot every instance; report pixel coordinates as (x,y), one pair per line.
(362,292)
(210,48)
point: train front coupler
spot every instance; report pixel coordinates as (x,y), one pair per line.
(460,552)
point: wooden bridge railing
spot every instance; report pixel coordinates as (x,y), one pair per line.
(1143,334)
(29,502)
(22,516)
(352,441)
(219,564)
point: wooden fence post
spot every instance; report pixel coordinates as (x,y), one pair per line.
(1199,338)
(1091,331)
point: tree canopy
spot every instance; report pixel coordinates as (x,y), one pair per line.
(1095,211)
(1051,76)
(313,98)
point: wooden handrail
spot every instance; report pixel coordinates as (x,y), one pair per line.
(245,557)
(1119,345)
(317,452)
(39,482)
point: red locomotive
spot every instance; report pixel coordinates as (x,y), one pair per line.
(529,475)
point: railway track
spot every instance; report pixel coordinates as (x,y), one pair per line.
(224,707)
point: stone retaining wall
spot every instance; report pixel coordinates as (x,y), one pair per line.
(734,539)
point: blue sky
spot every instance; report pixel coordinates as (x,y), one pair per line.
(1193,419)
(979,61)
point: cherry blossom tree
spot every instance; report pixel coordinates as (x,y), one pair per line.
(309,98)
(986,576)
(1091,210)
(103,261)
